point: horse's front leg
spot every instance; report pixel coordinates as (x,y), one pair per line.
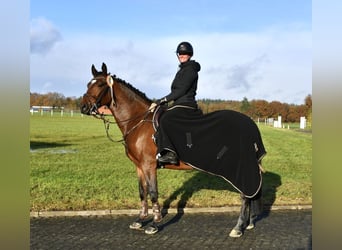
(143,198)
(153,191)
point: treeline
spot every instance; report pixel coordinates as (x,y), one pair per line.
(262,109)
(254,108)
(56,100)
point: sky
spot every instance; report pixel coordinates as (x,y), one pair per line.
(259,50)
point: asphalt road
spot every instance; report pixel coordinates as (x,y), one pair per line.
(279,229)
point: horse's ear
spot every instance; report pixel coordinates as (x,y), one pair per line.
(104,69)
(93,70)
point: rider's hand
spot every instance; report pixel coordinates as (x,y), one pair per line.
(152,107)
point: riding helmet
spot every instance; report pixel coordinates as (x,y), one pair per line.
(185,48)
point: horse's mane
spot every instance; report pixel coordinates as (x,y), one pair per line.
(130,87)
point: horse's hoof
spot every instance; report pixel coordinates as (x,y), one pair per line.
(136,225)
(250,226)
(235,233)
(151,230)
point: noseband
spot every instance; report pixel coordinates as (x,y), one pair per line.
(94,108)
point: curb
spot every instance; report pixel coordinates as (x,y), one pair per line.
(170,211)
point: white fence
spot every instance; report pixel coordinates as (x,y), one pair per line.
(51,112)
(277,123)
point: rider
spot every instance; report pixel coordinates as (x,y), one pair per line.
(184,106)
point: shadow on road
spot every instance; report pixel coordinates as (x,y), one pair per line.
(271,181)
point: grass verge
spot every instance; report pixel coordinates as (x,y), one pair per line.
(73,166)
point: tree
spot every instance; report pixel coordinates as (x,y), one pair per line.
(293,114)
(279,109)
(55,100)
(308,104)
(308,101)
(255,108)
(245,106)
(261,108)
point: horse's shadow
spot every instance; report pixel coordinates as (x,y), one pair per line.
(35,145)
(271,181)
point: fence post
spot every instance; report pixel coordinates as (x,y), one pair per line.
(302,122)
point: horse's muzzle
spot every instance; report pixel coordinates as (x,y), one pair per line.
(89,109)
(85,109)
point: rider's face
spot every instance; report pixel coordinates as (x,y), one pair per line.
(183,58)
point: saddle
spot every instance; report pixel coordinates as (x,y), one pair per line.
(160,110)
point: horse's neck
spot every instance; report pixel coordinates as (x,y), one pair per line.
(129,108)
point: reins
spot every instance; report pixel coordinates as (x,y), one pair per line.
(107,123)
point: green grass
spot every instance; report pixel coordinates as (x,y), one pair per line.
(73,166)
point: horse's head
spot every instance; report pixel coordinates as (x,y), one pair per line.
(99,91)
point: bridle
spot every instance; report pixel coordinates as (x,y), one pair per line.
(95,112)
(107,123)
(94,109)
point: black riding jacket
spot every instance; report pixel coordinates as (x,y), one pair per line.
(184,85)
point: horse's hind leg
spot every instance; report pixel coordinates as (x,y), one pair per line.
(256,208)
(251,208)
(243,220)
(256,205)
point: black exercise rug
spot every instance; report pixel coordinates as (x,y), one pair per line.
(224,143)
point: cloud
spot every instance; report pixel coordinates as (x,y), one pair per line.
(273,64)
(241,76)
(47,86)
(269,65)
(43,36)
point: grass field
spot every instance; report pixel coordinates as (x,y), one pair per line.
(73,166)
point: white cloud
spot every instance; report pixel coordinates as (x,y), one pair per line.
(47,87)
(269,65)
(43,35)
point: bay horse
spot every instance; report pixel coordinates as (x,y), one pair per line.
(130,109)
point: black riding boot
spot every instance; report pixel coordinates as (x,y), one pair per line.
(169,158)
